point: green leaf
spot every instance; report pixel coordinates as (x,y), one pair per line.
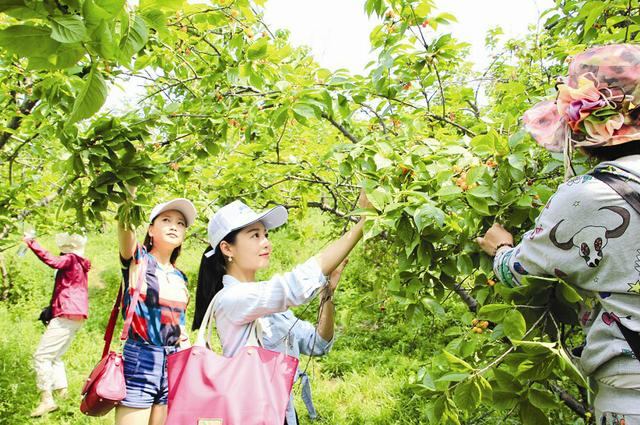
(531,415)
(103,40)
(381,161)
(483,145)
(426,214)
(91,97)
(542,399)
(567,292)
(456,360)
(304,110)
(258,49)
(433,306)
(453,377)
(446,191)
(134,39)
(494,312)
(514,325)
(164,5)
(68,29)
(467,395)
(28,41)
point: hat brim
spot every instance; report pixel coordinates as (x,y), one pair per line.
(184,206)
(545,125)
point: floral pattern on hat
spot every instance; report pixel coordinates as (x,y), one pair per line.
(593,103)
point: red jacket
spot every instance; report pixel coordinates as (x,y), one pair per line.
(71,294)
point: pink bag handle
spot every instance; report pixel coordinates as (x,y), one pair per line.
(206,328)
(113,318)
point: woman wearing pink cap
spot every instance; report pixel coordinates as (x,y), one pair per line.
(158,326)
(587,232)
(239,248)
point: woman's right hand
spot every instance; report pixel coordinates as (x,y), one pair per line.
(363,201)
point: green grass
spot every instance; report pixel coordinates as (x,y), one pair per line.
(361,381)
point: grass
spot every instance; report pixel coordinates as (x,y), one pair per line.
(361,381)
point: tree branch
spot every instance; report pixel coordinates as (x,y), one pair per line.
(27,212)
(342,129)
(25,109)
(570,401)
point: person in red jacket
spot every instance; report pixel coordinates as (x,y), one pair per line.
(70,308)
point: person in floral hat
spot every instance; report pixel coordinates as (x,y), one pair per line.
(587,232)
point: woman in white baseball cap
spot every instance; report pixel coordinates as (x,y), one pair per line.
(239,248)
(158,326)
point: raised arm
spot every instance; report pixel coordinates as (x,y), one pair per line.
(126,241)
(127,235)
(330,257)
(46,257)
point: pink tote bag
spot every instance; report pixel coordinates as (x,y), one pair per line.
(250,388)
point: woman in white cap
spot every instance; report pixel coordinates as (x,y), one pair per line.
(69,309)
(239,248)
(158,326)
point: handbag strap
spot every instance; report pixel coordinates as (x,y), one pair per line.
(624,189)
(140,268)
(113,318)
(111,325)
(206,328)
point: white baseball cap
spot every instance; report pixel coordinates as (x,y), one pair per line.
(237,215)
(179,204)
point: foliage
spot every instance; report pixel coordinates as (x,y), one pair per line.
(234,111)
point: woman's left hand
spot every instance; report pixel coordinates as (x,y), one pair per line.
(495,236)
(334,277)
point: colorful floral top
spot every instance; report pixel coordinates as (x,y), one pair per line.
(159,318)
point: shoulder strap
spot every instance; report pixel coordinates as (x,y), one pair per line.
(621,187)
(138,274)
(115,311)
(111,325)
(206,327)
(624,189)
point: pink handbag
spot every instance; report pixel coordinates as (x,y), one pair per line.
(106,387)
(250,388)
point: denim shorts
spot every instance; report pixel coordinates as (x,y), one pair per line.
(145,373)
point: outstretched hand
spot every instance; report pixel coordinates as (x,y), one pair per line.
(495,237)
(363,201)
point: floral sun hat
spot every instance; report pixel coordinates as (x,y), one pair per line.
(597,104)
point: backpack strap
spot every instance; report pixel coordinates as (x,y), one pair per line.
(621,187)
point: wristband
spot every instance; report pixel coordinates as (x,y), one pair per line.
(503,244)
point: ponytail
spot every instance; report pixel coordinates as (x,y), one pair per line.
(210,274)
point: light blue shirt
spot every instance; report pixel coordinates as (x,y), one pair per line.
(240,303)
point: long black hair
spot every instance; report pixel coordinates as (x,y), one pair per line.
(210,274)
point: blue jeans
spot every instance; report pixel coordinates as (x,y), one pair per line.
(145,373)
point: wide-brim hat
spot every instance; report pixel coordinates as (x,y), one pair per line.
(596,105)
(238,215)
(184,206)
(73,243)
